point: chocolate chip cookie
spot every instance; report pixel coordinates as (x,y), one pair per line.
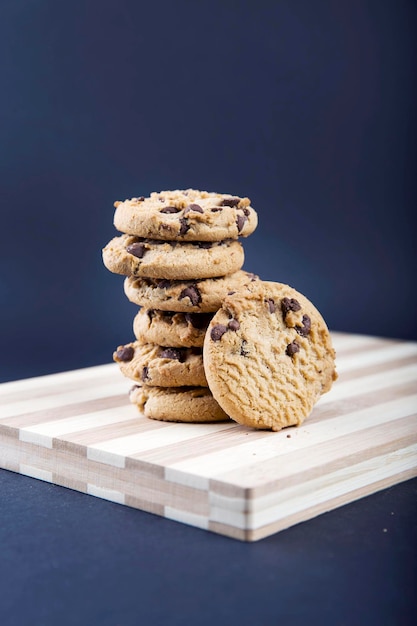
(188,215)
(268,356)
(177,404)
(203,296)
(168,328)
(161,366)
(134,256)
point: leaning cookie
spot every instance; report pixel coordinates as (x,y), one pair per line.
(160,366)
(268,356)
(179,404)
(202,296)
(168,328)
(131,255)
(188,215)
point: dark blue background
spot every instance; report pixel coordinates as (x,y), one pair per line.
(306,107)
(68,559)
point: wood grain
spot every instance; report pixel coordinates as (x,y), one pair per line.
(77,429)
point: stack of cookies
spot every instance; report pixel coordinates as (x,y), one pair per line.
(181,255)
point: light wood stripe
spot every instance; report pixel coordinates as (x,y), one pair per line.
(377,356)
(59,380)
(379,368)
(22,408)
(99,434)
(374,382)
(36,418)
(345,343)
(43,434)
(46,390)
(115,451)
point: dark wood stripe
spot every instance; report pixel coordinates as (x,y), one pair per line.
(100,434)
(377,368)
(61,412)
(44,389)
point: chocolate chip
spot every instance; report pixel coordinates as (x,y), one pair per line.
(140,199)
(292,348)
(191,292)
(163,284)
(271,305)
(145,373)
(216,209)
(246,212)
(289,304)
(193,207)
(233,325)
(137,249)
(205,244)
(230,293)
(240,222)
(217,332)
(305,329)
(243,350)
(172,353)
(198,320)
(125,354)
(230,201)
(185,227)
(170,209)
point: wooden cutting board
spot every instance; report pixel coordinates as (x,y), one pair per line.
(78,429)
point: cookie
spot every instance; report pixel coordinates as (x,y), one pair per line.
(130,255)
(168,328)
(188,215)
(203,296)
(161,366)
(178,404)
(268,356)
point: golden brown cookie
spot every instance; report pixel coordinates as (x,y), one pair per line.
(188,215)
(161,366)
(132,256)
(177,404)
(199,296)
(268,356)
(168,328)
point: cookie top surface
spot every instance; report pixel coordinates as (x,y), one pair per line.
(161,366)
(268,356)
(186,215)
(133,256)
(171,329)
(204,296)
(177,404)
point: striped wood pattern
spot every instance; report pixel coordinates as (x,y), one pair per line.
(78,429)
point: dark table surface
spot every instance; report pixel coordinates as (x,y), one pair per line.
(68,558)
